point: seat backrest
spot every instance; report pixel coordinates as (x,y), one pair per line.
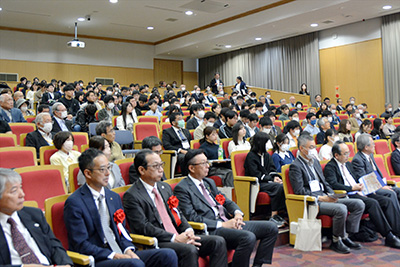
(92,128)
(42,182)
(19,128)
(237,161)
(195,144)
(7,140)
(22,139)
(278,123)
(173,182)
(73,171)
(123,137)
(17,157)
(124,165)
(388,161)
(381,165)
(166,125)
(287,186)
(302,115)
(225,144)
(54,212)
(45,153)
(294,151)
(80,139)
(30,119)
(114,120)
(381,147)
(351,148)
(343,116)
(143,129)
(148,119)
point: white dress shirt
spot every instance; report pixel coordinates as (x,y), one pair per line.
(185,144)
(61,123)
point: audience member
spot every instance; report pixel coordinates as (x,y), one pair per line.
(238,139)
(388,110)
(324,125)
(84,117)
(4,127)
(208,120)
(109,111)
(42,135)
(344,131)
(225,131)
(22,105)
(153,109)
(325,153)
(311,127)
(303,89)
(285,112)
(126,120)
(365,127)
(377,132)
(50,97)
(106,130)
(281,156)
(197,111)
(7,111)
(318,101)
(395,159)
(293,132)
(68,101)
(388,128)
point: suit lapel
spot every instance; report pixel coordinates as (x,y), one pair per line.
(92,209)
(196,191)
(4,253)
(143,193)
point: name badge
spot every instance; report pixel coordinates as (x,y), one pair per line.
(314,186)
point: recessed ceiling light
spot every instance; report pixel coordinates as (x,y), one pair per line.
(1,9)
(258,39)
(189,12)
(81,19)
(113,1)
(228,46)
(387,7)
(150,28)
(314,24)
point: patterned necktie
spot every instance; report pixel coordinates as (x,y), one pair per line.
(162,211)
(372,163)
(350,179)
(20,245)
(213,204)
(182,136)
(105,224)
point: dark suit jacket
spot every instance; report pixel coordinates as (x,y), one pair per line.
(46,98)
(320,137)
(252,167)
(395,160)
(362,166)
(197,96)
(213,85)
(334,176)
(16,115)
(180,94)
(57,127)
(299,177)
(37,226)
(134,176)
(143,217)
(171,141)
(196,208)
(82,219)
(192,124)
(36,140)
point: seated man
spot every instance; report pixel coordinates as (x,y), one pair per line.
(311,127)
(383,213)
(306,177)
(7,111)
(198,114)
(89,215)
(208,120)
(150,212)
(61,120)
(395,159)
(324,125)
(231,118)
(26,227)
(42,135)
(177,138)
(200,201)
(153,110)
(150,142)
(105,129)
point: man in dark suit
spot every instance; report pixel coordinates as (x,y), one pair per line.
(7,111)
(182,91)
(324,125)
(42,135)
(150,211)
(60,121)
(395,159)
(197,93)
(197,119)
(200,201)
(90,215)
(364,163)
(177,138)
(383,213)
(153,143)
(215,83)
(35,242)
(50,97)
(306,177)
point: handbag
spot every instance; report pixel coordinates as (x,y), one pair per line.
(308,237)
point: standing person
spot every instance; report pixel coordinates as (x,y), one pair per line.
(150,212)
(240,86)
(25,237)
(259,164)
(216,84)
(89,218)
(303,89)
(306,177)
(383,213)
(200,201)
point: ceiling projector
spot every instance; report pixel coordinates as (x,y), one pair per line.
(75,42)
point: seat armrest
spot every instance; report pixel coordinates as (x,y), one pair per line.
(144,240)
(78,258)
(197,226)
(300,197)
(391,182)
(340,191)
(245,179)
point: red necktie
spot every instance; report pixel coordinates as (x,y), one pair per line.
(20,245)
(166,220)
(212,203)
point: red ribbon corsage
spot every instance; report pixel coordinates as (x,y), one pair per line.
(173,202)
(119,217)
(220,199)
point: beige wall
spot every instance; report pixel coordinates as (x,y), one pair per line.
(357,70)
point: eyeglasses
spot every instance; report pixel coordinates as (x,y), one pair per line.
(201,163)
(346,154)
(103,170)
(159,152)
(157,166)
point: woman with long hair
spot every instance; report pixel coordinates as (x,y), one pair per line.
(365,127)
(345,131)
(238,139)
(125,121)
(377,132)
(303,89)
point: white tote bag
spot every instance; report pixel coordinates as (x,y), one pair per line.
(308,237)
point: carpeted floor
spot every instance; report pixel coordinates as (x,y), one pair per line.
(372,254)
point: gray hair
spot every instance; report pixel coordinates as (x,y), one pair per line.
(303,139)
(386,105)
(363,140)
(8,176)
(101,128)
(56,105)
(280,101)
(322,121)
(40,117)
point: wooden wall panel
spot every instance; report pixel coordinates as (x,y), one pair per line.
(357,70)
(190,79)
(168,70)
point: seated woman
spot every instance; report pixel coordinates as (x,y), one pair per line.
(377,132)
(65,156)
(365,127)
(324,107)
(22,105)
(299,106)
(259,164)
(388,128)
(210,148)
(331,137)
(345,131)
(282,156)
(293,132)
(115,177)
(125,121)
(238,139)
